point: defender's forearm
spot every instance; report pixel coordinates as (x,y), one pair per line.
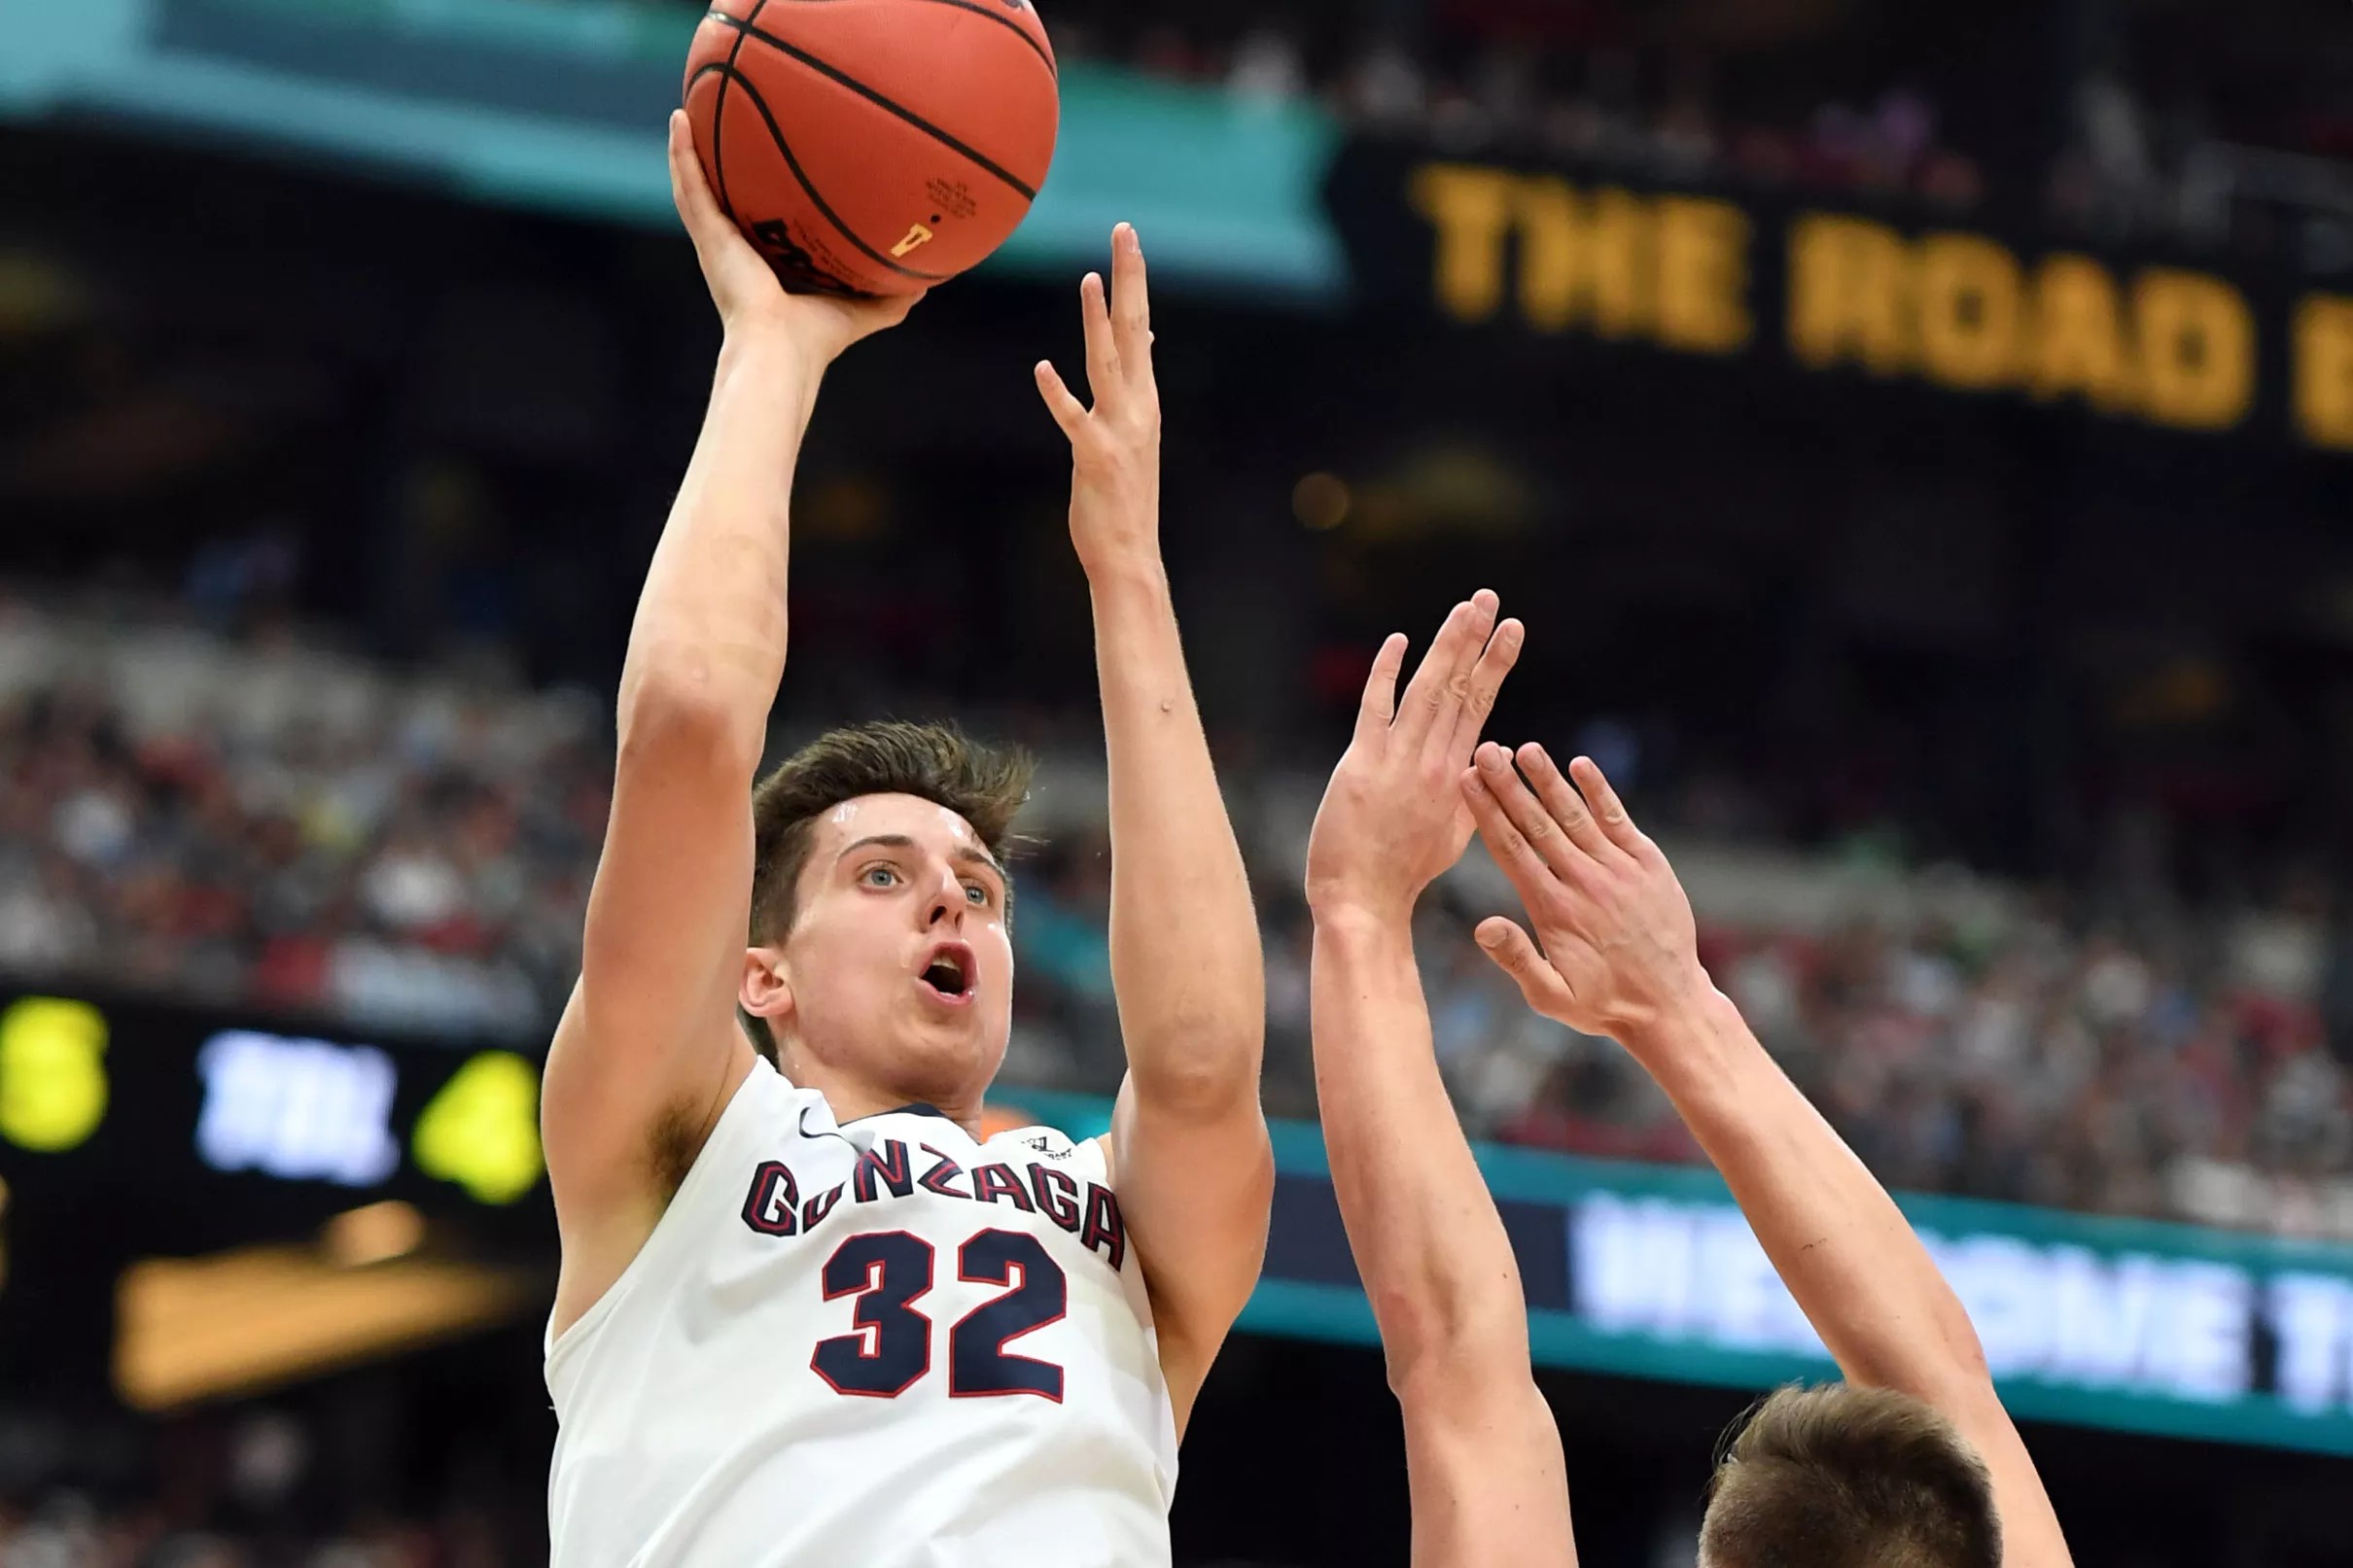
(1840,1243)
(1429,1245)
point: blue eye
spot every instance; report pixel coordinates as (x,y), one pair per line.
(975,894)
(880,875)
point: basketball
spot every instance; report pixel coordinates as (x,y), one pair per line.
(873,146)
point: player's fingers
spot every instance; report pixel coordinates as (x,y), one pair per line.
(1068,411)
(1496,661)
(1515,954)
(1563,804)
(1102,349)
(1131,300)
(1525,812)
(1513,853)
(1379,705)
(690,187)
(1616,820)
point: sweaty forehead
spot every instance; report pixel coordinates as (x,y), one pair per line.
(930,825)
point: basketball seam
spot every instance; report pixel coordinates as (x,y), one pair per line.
(1007,22)
(790,51)
(719,117)
(808,185)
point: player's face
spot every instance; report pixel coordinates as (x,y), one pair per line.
(899,967)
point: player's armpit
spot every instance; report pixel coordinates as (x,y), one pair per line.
(1195,1191)
(1483,1463)
(651,1030)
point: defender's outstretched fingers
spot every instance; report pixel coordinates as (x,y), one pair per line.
(1452,697)
(1526,813)
(1515,954)
(1425,692)
(1563,804)
(1068,411)
(1103,348)
(1131,301)
(1616,820)
(1496,662)
(1518,857)
(1379,704)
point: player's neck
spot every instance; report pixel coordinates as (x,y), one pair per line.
(850,1096)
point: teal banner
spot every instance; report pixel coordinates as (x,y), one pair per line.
(559,105)
(1651,1272)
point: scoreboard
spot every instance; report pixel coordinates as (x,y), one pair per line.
(176,1130)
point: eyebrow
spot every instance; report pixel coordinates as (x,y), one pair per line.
(899,841)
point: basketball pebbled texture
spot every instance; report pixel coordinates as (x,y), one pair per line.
(873,146)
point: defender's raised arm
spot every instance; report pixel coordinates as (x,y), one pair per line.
(1620,956)
(1482,1456)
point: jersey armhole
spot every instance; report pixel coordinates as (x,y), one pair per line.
(557,1349)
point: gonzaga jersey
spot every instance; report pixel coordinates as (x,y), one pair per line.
(881,1344)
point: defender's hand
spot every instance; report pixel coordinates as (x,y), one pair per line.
(1620,947)
(1392,818)
(1114,446)
(745,288)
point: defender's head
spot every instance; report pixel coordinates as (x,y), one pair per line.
(1841,1477)
(878,951)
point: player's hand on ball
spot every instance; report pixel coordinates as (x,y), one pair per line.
(1115,445)
(1393,818)
(745,288)
(1620,947)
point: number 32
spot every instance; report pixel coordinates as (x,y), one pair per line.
(888,1272)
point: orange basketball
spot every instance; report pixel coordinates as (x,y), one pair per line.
(874,146)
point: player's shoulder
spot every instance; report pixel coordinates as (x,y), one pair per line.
(1041,1144)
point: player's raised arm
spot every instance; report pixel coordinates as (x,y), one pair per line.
(1482,1456)
(1194,1170)
(1620,956)
(648,1038)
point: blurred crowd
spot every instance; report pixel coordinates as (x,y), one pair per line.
(2120,125)
(1566,82)
(69,1530)
(259,820)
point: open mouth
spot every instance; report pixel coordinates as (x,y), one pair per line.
(949,973)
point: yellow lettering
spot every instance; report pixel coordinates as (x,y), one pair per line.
(1471,209)
(1847,293)
(1703,275)
(482,1129)
(1970,309)
(2324,370)
(1584,257)
(1619,264)
(915,235)
(1551,213)
(2196,349)
(53,1073)
(2080,347)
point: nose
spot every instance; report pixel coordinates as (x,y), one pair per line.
(946,906)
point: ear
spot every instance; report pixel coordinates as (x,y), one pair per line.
(766,987)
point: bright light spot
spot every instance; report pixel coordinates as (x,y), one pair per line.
(371,1235)
(1321,502)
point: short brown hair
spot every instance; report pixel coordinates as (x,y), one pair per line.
(983,785)
(1843,1477)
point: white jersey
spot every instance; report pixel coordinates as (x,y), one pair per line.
(881,1344)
